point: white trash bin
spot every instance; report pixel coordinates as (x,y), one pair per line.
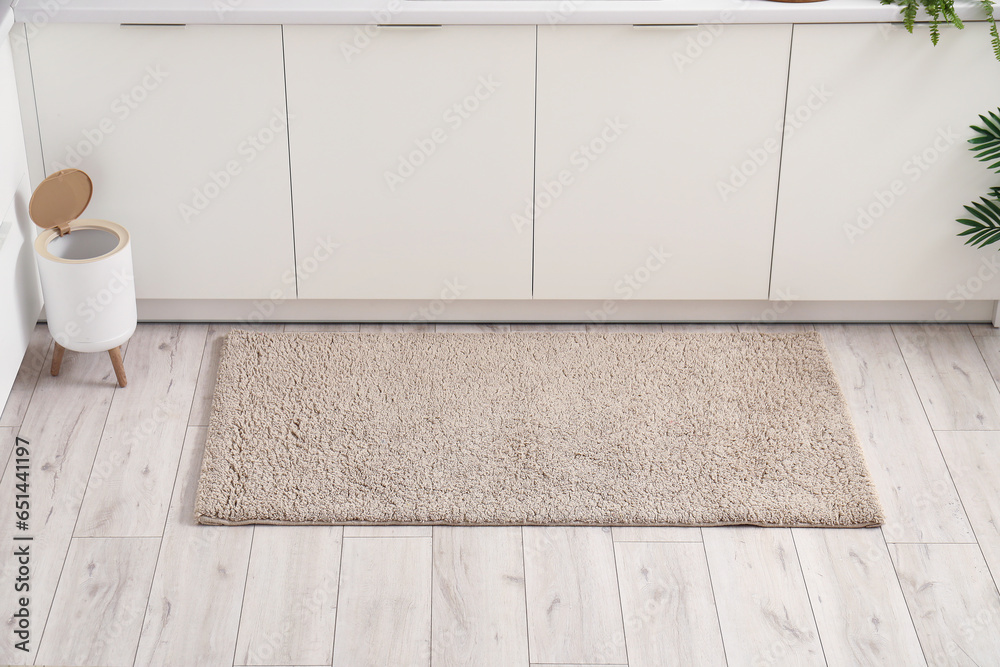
(85,268)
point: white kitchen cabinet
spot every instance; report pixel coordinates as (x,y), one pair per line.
(657,160)
(183,131)
(873,180)
(20,293)
(12,156)
(410,150)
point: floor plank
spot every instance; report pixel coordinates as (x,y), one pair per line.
(343,327)
(387,531)
(667,602)
(193,613)
(27,376)
(774,327)
(384,606)
(574,613)
(859,607)
(710,327)
(548,326)
(97,613)
(974,459)
(951,377)
(445,327)
(133,476)
(656,534)
(764,609)
(915,487)
(613,327)
(390,327)
(989,347)
(479,598)
(953,602)
(8,436)
(201,406)
(63,443)
(982,329)
(290,602)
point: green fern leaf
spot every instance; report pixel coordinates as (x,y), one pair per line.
(934,11)
(989,154)
(910,13)
(986,146)
(992,122)
(984,228)
(948,11)
(987,6)
(944,11)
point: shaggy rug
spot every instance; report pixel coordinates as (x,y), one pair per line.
(531,428)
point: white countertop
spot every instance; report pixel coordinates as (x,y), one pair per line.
(541,12)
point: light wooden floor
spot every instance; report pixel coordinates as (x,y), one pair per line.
(121,575)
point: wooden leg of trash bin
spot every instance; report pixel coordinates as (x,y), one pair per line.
(57,355)
(116,361)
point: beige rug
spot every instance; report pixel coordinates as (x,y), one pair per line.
(532,428)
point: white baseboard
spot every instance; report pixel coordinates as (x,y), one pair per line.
(307,310)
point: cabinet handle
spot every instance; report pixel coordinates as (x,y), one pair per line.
(411,26)
(152,25)
(666,26)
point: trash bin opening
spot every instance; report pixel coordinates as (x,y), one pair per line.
(84,244)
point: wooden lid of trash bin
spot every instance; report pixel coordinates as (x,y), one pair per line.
(60,199)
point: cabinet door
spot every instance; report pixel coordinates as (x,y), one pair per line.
(20,294)
(183,131)
(411,149)
(657,160)
(12,158)
(873,180)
